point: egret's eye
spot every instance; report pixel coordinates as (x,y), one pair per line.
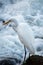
(3,21)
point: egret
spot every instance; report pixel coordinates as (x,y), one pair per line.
(24,32)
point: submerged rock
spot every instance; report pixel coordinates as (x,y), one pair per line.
(10,61)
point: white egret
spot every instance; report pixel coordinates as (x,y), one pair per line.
(24,32)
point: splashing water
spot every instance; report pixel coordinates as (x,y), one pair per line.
(32,12)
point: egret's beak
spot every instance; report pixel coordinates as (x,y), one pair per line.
(6,22)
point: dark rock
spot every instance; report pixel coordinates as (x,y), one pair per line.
(34,60)
(7,62)
(10,61)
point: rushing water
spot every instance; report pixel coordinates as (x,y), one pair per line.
(32,12)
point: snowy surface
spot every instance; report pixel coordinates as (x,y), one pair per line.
(32,12)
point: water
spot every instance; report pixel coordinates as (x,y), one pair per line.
(32,12)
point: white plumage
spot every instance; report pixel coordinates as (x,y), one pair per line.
(26,36)
(24,32)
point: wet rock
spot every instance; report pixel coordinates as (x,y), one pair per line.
(34,60)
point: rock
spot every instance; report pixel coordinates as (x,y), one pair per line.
(34,60)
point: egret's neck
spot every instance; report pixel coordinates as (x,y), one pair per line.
(14,26)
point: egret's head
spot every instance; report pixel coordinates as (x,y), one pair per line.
(12,23)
